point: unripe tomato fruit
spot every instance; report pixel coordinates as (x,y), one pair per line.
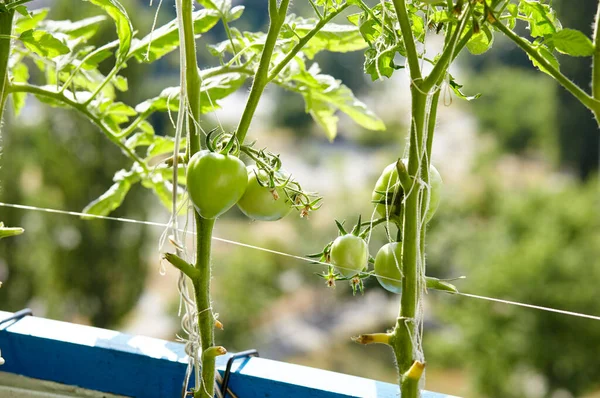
(259,202)
(349,254)
(386,267)
(215,182)
(387,182)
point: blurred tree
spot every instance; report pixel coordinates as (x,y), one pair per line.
(578,134)
(88,271)
(521,115)
(534,246)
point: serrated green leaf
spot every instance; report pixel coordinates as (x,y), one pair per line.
(20,74)
(572,42)
(166,38)
(85,28)
(22,10)
(43,43)
(380,64)
(140,139)
(541,17)
(120,83)
(324,95)
(457,90)
(122,22)
(332,37)
(480,42)
(114,196)
(163,145)
(544,52)
(213,89)
(163,189)
(24,23)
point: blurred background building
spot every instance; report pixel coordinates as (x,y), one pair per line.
(520,218)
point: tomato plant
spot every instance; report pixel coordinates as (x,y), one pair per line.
(408,191)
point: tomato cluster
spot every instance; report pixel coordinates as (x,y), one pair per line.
(218,180)
(348,254)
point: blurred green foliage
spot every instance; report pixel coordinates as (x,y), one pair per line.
(537,245)
(72,269)
(522,116)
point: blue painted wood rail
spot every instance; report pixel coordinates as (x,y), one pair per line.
(117,363)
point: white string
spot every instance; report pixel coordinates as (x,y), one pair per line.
(157,224)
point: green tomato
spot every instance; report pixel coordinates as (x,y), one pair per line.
(349,254)
(263,203)
(386,267)
(388,181)
(215,182)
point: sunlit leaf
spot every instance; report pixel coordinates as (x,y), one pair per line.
(214,88)
(572,42)
(43,43)
(85,28)
(166,38)
(20,74)
(24,23)
(481,42)
(124,29)
(114,196)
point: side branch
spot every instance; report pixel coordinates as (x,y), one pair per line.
(571,87)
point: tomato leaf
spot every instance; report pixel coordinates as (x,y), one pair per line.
(572,42)
(20,74)
(166,38)
(541,17)
(214,88)
(85,28)
(23,23)
(124,29)
(547,54)
(114,196)
(481,42)
(43,43)
(324,95)
(457,90)
(332,37)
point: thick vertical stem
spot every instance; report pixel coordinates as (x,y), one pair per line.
(6,21)
(406,326)
(277,17)
(206,320)
(192,74)
(596,65)
(596,57)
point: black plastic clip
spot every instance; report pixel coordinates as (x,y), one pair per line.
(227,374)
(17,316)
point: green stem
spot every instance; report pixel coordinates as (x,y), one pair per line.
(6,21)
(405,329)
(192,76)
(409,41)
(206,320)
(596,63)
(103,84)
(304,40)
(261,78)
(441,66)
(571,87)
(82,108)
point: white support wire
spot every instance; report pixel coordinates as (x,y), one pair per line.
(288,255)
